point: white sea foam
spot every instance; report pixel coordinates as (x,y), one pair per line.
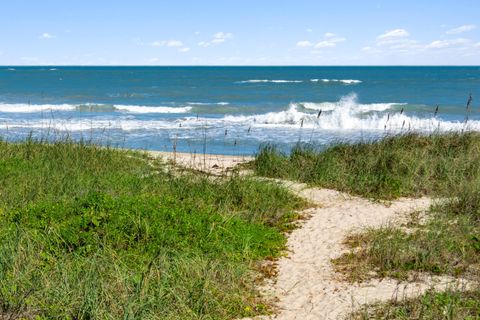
(344,81)
(159,109)
(30,108)
(270,81)
(35,108)
(347,100)
(222,103)
(11,69)
(92,124)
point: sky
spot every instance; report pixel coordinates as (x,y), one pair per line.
(240,32)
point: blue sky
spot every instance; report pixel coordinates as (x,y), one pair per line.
(242,32)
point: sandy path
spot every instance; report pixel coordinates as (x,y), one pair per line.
(307,287)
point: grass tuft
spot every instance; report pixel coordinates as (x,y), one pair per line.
(451,305)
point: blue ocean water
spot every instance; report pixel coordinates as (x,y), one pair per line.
(234,110)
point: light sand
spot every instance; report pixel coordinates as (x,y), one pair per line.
(210,163)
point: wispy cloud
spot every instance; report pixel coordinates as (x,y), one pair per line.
(392,36)
(46,35)
(219,37)
(462,29)
(396,40)
(442,44)
(330,41)
(168,43)
(177,44)
(304,44)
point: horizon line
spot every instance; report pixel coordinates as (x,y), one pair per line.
(215,65)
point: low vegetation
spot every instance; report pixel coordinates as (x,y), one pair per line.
(95,233)
(406,165)
(452,305)
(443,241)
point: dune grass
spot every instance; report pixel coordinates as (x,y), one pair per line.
(451,305)
(447,242)
(443,241)
(405,165)
(88,232)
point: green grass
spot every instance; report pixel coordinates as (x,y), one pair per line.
(447,243)
(405,165)
(451,305)
(96,233)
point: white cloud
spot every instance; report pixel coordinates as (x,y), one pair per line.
(169,43)
(329,43)
(396,40)
(304,44)
(330,40)
(174,43)
(309,30)
(442,44)
(219,37)
(461,29)
(392,36)
(223,35)
(325,44)
(46,35)
(184,49)
(153,60)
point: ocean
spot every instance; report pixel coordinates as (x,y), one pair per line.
(234,110)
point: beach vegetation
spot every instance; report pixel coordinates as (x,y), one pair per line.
(443,241)
(90,232)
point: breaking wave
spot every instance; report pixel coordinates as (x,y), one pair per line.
(348,114)
(345,115)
